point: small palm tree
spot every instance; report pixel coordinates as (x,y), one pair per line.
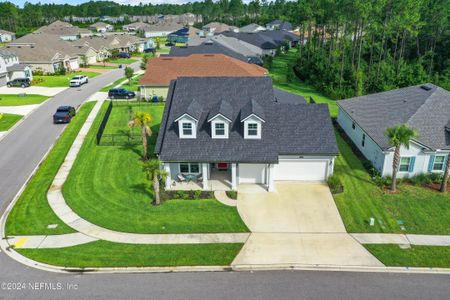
(446,175)
(142,119)
(154,172)
(399,135)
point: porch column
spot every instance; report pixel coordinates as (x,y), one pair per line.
(205,176)
(233,177)
(169,176)
(270,183)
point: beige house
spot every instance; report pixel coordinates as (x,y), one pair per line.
(64,31)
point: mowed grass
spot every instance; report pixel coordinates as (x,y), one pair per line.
(108,188)
(278,73)
(108,254)
(416,256)
(421,210)
(131,86)
(32,214)
(16,100)
(58,80)
(122,61)
(8,120)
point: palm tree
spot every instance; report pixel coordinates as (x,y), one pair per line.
(142,119)
(154,172)
(446,175)
(399,135)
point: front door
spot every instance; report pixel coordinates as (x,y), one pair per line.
(222,166)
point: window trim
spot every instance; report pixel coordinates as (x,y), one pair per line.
(189,168)
(223,134)
(443,163)
(400,164)
(256,129)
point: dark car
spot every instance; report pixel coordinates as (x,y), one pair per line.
(121,93)
(170,44)
(22,82)
(255,60)
(63,114)
(123,55)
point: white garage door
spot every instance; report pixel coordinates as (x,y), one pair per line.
(252,173)
(307,170)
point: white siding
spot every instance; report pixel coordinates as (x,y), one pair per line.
(252,173)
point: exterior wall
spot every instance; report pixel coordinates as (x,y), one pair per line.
(149,34)
(370,150)
(252,173)
(148,92)
(45,67)
(6,37)
(27,73)
(382,161)
(329,160)
(2,65)
(69,37)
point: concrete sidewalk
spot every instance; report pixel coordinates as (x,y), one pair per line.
(37,90)
(49,241)
(402,239)
(22,110)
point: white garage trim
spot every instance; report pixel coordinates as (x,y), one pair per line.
(303,169)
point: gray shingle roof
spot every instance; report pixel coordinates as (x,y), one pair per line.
(222,107)
(208,47)
(283,25)
(252,108)
(288,98)
(255,39)
(427,111)
(288,129)
(17,67)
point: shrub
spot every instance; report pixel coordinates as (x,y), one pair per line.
(381,181)
(232,194)
(161,99)
(197,194)
(335,184)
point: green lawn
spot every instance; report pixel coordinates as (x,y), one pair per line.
(122,61)
(15,100)
(101,67)
(107,254)
(278,73)
(32,213)
(8,120)
(422,210)
(107,187)
(134,86)
(58,80)
(416,256)
(163,50)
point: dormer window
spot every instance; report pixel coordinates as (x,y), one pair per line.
(252,129)
(187,129)
(252,115)
(220,129)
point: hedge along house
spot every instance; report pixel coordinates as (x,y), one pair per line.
(219,132)
(162,70)
(426,108)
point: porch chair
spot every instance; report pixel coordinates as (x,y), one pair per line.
(181,178)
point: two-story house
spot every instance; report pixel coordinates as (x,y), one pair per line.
(224,131)
(11,68)
(425,108)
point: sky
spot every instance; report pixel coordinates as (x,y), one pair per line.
(74,2)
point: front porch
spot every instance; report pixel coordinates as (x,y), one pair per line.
(222,176)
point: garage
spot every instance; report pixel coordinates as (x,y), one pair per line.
(252,173)
(301,169)
(3,80)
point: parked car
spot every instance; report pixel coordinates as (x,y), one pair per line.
(64,114)
(170,44)
(19,82)
(123,55)
(79,80)
(120,93)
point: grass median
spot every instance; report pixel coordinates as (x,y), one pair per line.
(59,80)
(8,120)
(32,214)
(108,254)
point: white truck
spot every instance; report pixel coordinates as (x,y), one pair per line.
(79,80)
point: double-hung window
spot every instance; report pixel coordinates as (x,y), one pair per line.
(187,129)
(220,129)
(404,164)
(439,163)
(252,129)
(193,168)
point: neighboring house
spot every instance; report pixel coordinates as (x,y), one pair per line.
(253,27)
(426,108)
(64,31)
(260,44)
(208,47)
(233,130)
(11,68)
(162,70)
(233,44)
(217,27)
(101,45)
(101,27)
(114,20)
(184,35)
(6,36)
(87,54)
(279,37)
(45,52)
(133,27)
(159,29)
(279,25)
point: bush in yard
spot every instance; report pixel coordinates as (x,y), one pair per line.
(232,194)
(198,194)
(381,181)
(129,72)
(161,99)
(290,74)
(335,184)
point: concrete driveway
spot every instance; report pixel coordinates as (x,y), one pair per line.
(294,207)
(299,224)
(38,90)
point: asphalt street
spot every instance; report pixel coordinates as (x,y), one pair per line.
(24,147)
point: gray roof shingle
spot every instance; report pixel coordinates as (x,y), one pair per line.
(252,108)
(208,47)
(427,111)
(222,107)
(288,98)
(288,129)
